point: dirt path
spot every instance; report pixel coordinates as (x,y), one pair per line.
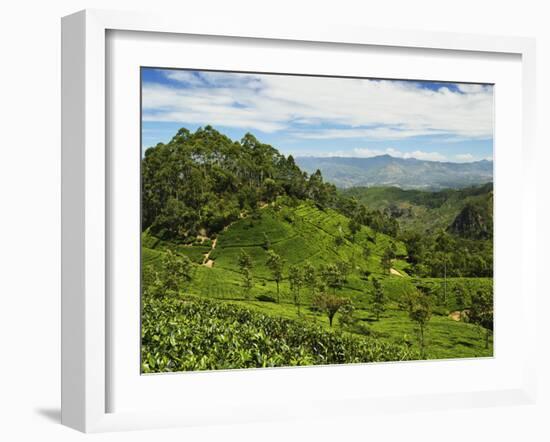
(455,316)
(395,272)
(207,261)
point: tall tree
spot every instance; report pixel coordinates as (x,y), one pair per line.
(420,312)
(460,299)
(386,260)
(366,252)
(245,264)
(354,226)
(346,318)
(481,312)
(444,245)
(275,264)
(310,277)
(176,271)
(378,299)
(296,279)
(332,277)
(330,304)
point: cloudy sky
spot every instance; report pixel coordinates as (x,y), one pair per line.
(316,116)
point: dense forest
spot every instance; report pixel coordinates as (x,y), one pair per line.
(203,181)
(238,239)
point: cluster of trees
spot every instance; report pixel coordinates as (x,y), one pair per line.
(322,284)
(481,313)
(462,247)
(475,220)
(203,181)
(419,305)
(359,214)
(330,276)
(169,280)
(445,254)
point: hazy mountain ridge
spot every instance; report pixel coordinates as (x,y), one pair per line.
(410,173)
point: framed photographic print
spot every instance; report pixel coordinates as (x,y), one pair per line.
(249,214)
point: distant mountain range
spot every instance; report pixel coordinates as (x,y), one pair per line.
(410,173)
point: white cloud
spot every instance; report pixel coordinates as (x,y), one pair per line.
(467,88)
(187,77)
(465,157)
(368,109)
(418,154)
(421,155)
(378,133)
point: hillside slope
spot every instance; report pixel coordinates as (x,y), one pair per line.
(424,211)
(304,234)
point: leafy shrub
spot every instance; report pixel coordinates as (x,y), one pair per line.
(197,334)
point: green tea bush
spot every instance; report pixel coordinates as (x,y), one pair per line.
(197,334)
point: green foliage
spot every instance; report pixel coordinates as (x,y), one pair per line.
(176,271)
(423,211)
(354,226)
(310,277)
(296,280)
(424,217)
(332,276)
(197,334)
(204,180)
(460,297)
(481,312)
(267,243)
(367,252)
(445,254)
(245,261)
(346,312)
(378,299)
(420,311)
(245,264)
(152,246)
(275,264)
(386,260)
(475,221)
(330,304)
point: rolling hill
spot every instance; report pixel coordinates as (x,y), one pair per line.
(308,234)
(463,211)
(410,173)
(304,234)
(216,214)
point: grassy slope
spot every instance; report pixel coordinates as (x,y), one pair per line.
(308,234)
(423,211)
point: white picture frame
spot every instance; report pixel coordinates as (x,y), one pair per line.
(86,316)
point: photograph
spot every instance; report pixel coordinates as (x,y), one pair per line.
(300,220)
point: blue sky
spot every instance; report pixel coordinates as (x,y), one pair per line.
(320,116)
